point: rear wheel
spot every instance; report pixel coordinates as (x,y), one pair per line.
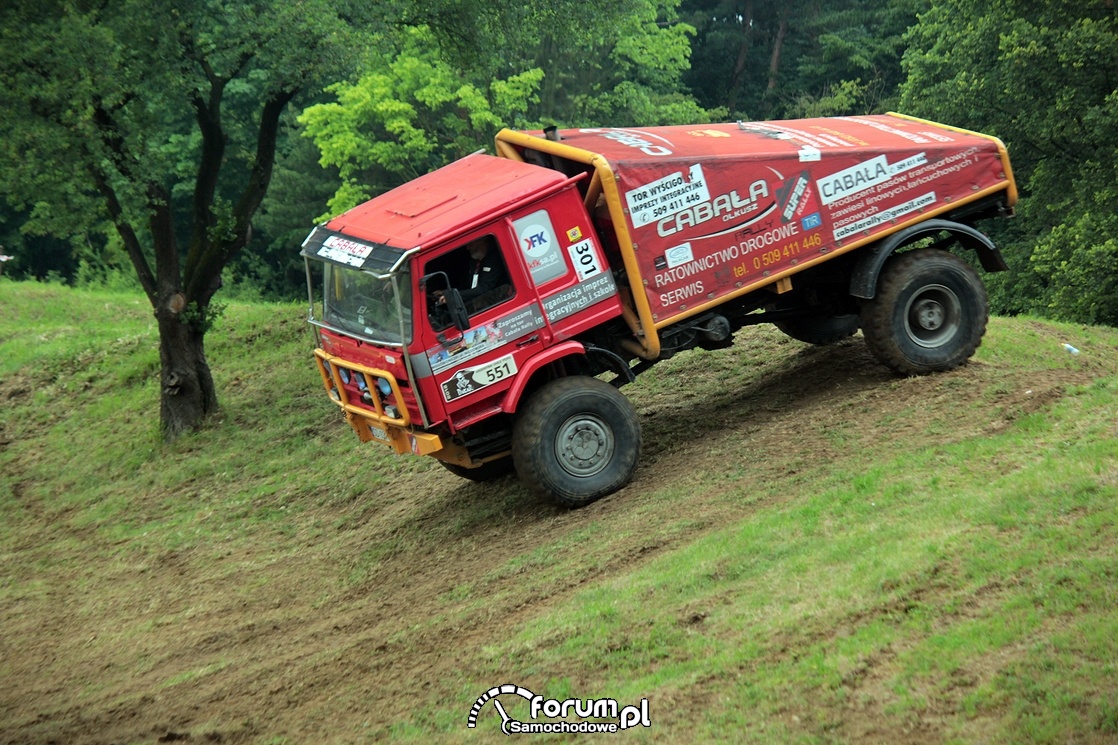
(576,440)
(929,313)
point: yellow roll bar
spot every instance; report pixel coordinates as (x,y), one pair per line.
(604,181)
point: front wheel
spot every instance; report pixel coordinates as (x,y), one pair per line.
(929,313)
(576,440)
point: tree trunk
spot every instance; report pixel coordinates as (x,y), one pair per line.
(774,61)
(187,394)
(743,56)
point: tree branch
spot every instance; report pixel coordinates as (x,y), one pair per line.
(113,140)
(202,274)
(127,234)
(743,55)
(778,45)
(265,159)
(208,116)
(161,224)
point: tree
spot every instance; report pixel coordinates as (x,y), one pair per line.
(271,268)
(628,72)
(164,116)
(793,58)
(419,106)
(1042,77)
(412,113)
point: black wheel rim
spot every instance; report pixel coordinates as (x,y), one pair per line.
(932,316)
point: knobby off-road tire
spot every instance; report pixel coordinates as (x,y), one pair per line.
(489,471)
(820,329)
(576,440)
(929,313)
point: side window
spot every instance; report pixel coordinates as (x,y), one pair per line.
(479,273)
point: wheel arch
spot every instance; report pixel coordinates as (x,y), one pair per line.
(588,360)
(536,367)
(863,279)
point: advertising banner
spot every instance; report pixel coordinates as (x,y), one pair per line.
(716,208)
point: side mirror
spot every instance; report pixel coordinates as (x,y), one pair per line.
(455,305)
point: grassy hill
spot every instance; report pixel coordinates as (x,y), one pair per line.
(813,550)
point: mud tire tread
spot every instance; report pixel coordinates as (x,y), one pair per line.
(538,423)
(882,321)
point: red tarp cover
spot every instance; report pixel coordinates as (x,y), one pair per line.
(714,208)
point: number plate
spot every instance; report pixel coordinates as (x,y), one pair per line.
(470,379)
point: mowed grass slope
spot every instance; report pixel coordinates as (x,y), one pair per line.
(813,549)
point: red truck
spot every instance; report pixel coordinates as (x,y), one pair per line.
(487,313)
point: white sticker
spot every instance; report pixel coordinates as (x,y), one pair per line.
(863,176)
(585,259)
(470,379)
(809,153)
(496,370)
(677,255)
(885,216)
(344,252)
(667,196)
(541,250)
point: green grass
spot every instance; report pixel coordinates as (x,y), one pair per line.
(858,569)
(818,553)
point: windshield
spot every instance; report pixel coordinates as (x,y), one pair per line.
(358,302)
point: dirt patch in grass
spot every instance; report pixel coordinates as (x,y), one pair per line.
(342,634)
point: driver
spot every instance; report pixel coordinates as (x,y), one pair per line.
(487,271)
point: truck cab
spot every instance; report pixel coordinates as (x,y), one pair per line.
(386,277)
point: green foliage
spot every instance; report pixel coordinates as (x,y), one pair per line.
(413,113)
(837,99)
(1078,264)
(417,108)
(1040,76)
(203,318)
(86,87)
(770,60)
(644,54)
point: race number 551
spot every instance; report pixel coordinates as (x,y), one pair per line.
(470,379)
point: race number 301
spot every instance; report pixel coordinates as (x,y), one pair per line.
(585,259)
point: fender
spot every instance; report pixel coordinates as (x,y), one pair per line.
(546,357)
(863,280)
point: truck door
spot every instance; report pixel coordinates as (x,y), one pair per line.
(471,370)
(565,264)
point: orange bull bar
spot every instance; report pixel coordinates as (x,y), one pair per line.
(374,425)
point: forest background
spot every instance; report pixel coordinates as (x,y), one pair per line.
(383,96)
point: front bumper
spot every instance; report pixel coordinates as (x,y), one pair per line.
(366,409)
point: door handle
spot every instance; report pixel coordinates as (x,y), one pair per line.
(529,340)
